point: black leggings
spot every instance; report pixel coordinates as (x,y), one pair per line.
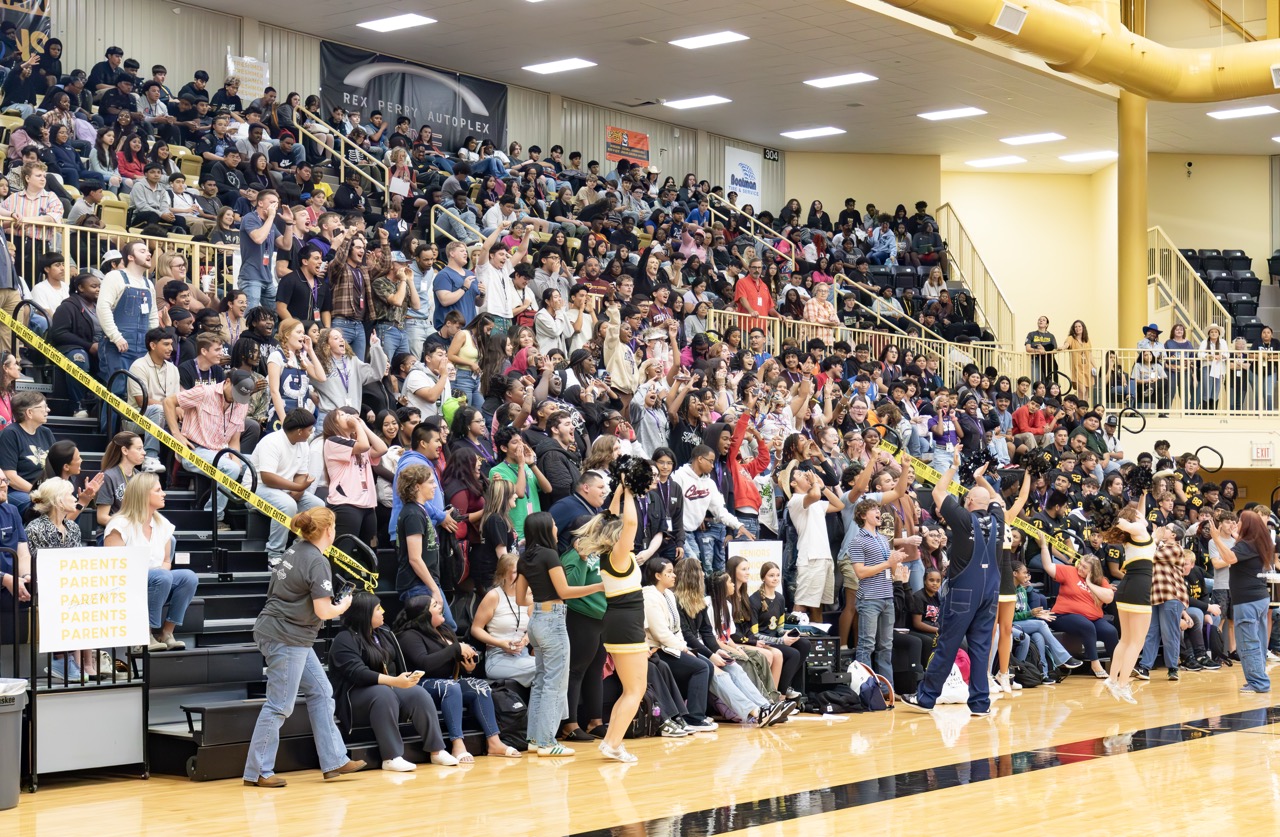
(351,520)
(793,657)
(586,668)
(693,675)
(385,707)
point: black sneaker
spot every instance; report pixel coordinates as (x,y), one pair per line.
(1192,664)
(1173,674)
(1072,664)
(1142,672)
(771,713)
(914,703)
(1209,663)
(1234,656)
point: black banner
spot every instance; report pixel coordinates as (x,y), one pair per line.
(454,105)
(34,26)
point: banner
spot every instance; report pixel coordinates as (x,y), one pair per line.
(757,554)
(254,75)
(621,144)
(92,597)
(455,106)
(34,26)
(742,171)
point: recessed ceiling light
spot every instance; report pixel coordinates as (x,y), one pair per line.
(560,66)
(714,39)
(1088,156)
(391,24)
(955,113)
(995,161)
(1259,110)
(839,81)
(810,133)
(697,102)
(1032,139)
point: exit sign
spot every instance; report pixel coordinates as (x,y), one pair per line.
(1262,453)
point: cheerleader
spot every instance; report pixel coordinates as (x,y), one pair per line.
(1133,594)
(1008,599)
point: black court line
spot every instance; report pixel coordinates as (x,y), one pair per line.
(807,803)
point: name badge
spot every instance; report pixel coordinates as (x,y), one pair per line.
(145,308)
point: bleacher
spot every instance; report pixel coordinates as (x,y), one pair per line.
(1230,278)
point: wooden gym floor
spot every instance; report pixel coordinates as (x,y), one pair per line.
(1193,757)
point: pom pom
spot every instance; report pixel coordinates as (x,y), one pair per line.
(1040,461)
(635,472)
(1102,512)
(971,462)
(1137,480)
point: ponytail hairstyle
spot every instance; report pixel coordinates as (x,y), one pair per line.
(116,447)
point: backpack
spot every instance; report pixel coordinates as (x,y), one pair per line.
(838,700)
(873,690)
(1028,672)
(511,710)
(647,722)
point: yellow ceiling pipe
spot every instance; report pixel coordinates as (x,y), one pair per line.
(1086,37)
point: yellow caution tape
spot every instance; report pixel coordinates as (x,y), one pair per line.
(926,473)
(367,577)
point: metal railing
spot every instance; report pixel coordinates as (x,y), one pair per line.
(437,229)
(759,232)
(968,267)
(1176,293)
(381,186)
(209,267)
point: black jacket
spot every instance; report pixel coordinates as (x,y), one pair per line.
(561,468)
(697,633)
(72,326)
(348,670)
(429,655)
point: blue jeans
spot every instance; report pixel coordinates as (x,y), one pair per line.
(288,667)
(353,331)
(751,523)
(942,459)
(258,291)
(229,465)
(1089,632)
(176,588)
(1251,642)
(707,546)
(393,339)
(1165,625)
(915,579)
(416,332)
(468,383)
(424,590)
(549,698)
(279,537)
(150,443)
(1052,654)
(450,695)
(76,392)
(875,635)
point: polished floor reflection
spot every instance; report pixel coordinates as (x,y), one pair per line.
(812,776)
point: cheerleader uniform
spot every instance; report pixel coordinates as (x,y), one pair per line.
(1008,588)
(1133,594)
(623,623)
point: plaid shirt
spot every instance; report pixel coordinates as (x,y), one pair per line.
(1167,582)
(343,280)
(384,287)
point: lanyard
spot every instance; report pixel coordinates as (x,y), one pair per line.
(515,611)
(664,488)
(643,503)
(343,373)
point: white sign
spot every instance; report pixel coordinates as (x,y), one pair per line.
(254,75)
(1262,452)
(92,597)
(757,554)
(742,173)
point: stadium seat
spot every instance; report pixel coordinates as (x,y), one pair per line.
(1212,260)
(1250,284)
(1220,282)
(906,277)
(1242,305)
(1273,266)
(1237,260)
(1251,332)
(1192,257)
(1240,324)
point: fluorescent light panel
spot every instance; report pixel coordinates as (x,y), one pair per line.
(714,39)
(697,102)
(560,66)
(840,81)
(810,133)
(995,161)
(954,113)
(392,24)
(1032,139)
(1237,113)
(1088,156)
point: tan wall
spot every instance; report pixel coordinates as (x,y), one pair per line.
(1040,235)
(883,179)
(1226,203)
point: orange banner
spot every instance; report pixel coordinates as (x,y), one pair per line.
(621,144)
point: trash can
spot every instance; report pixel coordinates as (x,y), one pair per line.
(13,699)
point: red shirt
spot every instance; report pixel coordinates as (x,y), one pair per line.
(755,293)
(1074,595)
(1025,421)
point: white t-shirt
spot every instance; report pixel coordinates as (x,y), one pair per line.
(161,533)
(811,529)
(276,455)
(500,296)
(418,378)
(48,297)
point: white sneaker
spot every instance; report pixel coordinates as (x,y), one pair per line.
(445,758)
(1273,657)
(81,414)
(994,687)
(399,765)
(1002,683)
(151,465)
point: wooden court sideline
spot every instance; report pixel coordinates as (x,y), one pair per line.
(1047,750)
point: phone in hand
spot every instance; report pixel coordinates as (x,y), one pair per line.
(417,675)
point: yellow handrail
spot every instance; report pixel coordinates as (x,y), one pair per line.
(1178,289)
(925,331)
(437,209)
(788,257)
(968,267)
(384,186)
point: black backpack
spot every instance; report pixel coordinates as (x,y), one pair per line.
(648,720)
(1027,673)
(511,710)
(838,700)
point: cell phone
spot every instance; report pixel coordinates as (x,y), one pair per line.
(417,675)
(793,632)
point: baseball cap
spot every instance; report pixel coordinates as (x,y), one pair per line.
(112,255)
(1112,421)
(399,258)
(242,386)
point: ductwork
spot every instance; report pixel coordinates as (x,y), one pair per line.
(1086,37)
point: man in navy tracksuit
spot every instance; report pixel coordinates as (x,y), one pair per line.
(971,592)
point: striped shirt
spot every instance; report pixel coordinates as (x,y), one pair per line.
(871,549)
(207,419)
(45,205)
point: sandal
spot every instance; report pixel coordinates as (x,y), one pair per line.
(466,758)
(511,753)
(577,735)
